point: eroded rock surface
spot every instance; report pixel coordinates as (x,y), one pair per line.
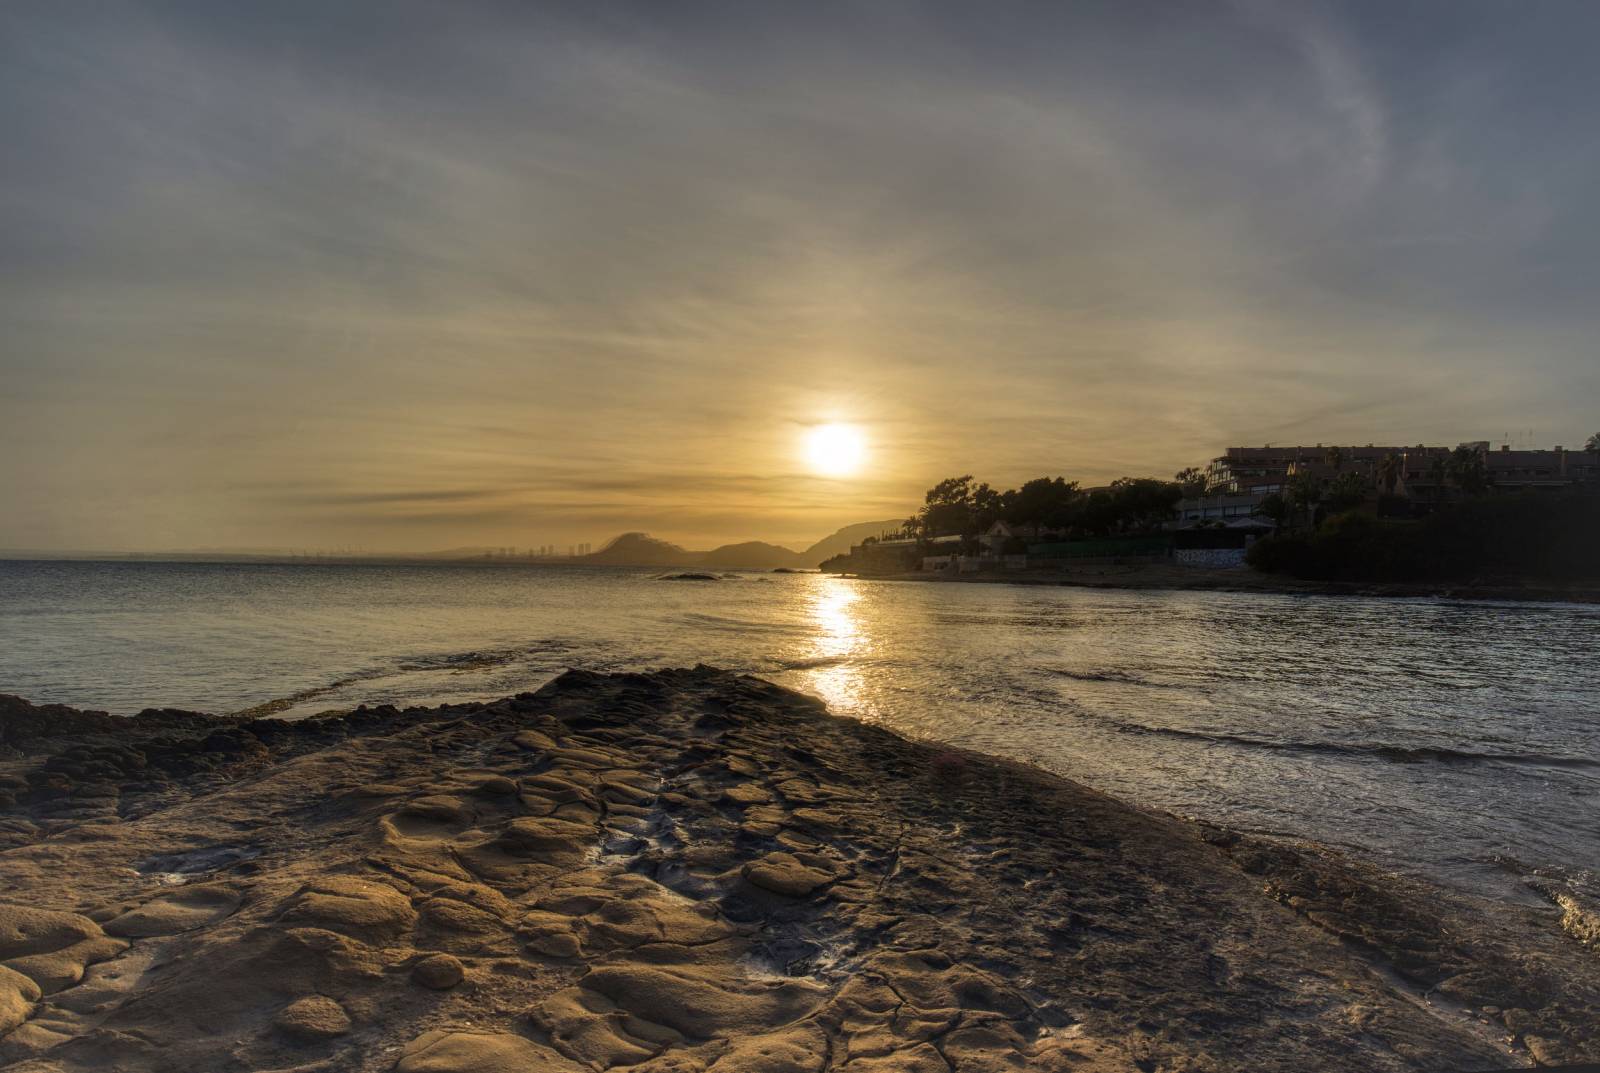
(694,872)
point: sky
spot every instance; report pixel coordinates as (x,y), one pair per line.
(403,276)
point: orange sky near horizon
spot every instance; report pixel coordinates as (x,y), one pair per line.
(411,278)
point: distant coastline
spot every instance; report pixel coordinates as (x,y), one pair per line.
(1189,579)
(628,549)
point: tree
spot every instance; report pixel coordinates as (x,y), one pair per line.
(950,491)
(1142,503)
(1347,492)
(948,507)
(987,507)
(1468,470)
(1305,492)
(1593,445)
(1193,481)
(1042,501)
(1334,456)
(1275,509)
(1438,472)
(1389,471)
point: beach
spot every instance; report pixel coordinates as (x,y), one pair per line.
(695,870)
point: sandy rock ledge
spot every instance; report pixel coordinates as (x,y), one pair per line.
(696,872)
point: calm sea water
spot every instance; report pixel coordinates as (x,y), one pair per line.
(1457,739)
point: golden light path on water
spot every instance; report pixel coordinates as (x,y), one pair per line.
(838,641)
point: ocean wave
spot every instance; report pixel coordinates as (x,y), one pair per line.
(454,662)
(730,622)
(293,700)
(1394,754)
(477,659)
(1117,677)
(809,663)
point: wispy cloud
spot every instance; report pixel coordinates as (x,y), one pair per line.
(522,273)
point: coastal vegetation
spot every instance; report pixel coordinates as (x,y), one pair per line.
(1472,538)
(1045,507)
(957,506)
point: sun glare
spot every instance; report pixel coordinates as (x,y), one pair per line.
(835,450)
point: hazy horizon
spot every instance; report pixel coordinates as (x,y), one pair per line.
(559,551)
(414,276)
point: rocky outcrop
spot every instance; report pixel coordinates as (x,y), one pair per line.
(695,872)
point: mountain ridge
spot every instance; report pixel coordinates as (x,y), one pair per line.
(638,548)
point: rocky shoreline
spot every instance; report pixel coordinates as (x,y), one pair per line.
(694,871)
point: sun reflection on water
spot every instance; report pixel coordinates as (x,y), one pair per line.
(837,642)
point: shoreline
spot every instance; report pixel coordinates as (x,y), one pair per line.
(1243,580)
(695,870)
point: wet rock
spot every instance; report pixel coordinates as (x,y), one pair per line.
(52,948)
(746,793)
(17,996)
(666,901)
(444,1051)
(313,1019)
(183,910)
(26,930)
(439,972)
(533,741)
(790,875)
(798,1049)
(459,926)
(701,1002)
(362,908)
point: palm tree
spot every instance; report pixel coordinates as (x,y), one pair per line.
(1389,470)
(1193,481)
(1305,492)
(1468,471)
(1437,472)
(1275,509)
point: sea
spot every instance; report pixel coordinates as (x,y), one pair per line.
(1457,740)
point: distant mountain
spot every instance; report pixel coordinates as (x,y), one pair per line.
(642,549)
(845,539)
(754,555)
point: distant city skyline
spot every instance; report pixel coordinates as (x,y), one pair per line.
(411,276)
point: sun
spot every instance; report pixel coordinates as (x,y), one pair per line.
(835,450)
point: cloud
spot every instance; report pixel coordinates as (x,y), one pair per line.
(366,274)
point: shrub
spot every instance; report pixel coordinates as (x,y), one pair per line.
(1544,537)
